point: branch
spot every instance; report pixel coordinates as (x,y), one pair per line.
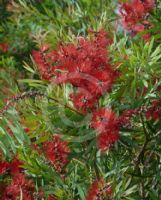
(14,99)
(65,105)
(147,140)
(25,95)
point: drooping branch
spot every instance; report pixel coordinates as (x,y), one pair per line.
(29,94)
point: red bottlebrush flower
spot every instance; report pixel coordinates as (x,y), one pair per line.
(106,139)
(104,119)
(102,80)
(26,130)
(84,65)
(83,100)
(4,47)
(133,15)
(57,151)
(104,73)
(42,65)
(86,56)
(75,78)
(148,5)
(15,166)
(124,119)
(107,125)
(99,190)
(4,167)
(154,111)
(2,189)
(20,185)
(102,38)
(140,28)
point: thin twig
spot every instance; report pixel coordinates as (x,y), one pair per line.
(140,157)
(65,105)
(14,99)
(25,95)
(142,151)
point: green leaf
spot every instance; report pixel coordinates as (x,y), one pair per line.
(131,190)
(4,149)
(84,138)
(28,68)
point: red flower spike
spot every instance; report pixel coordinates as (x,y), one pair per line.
(104,119)
(106,139)
(4,47)
(99,190)
(84,65)
(133,15)
(15,167)
(140,28)
(107,125)
(130,15)
(83,100)
(57,151)
(102,38)
(26,130)
(124,119)
(4,167)
(154,110)
(20,184)
(148,5)
(42,65)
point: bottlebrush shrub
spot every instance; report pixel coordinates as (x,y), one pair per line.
(90,127)
(87,67)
